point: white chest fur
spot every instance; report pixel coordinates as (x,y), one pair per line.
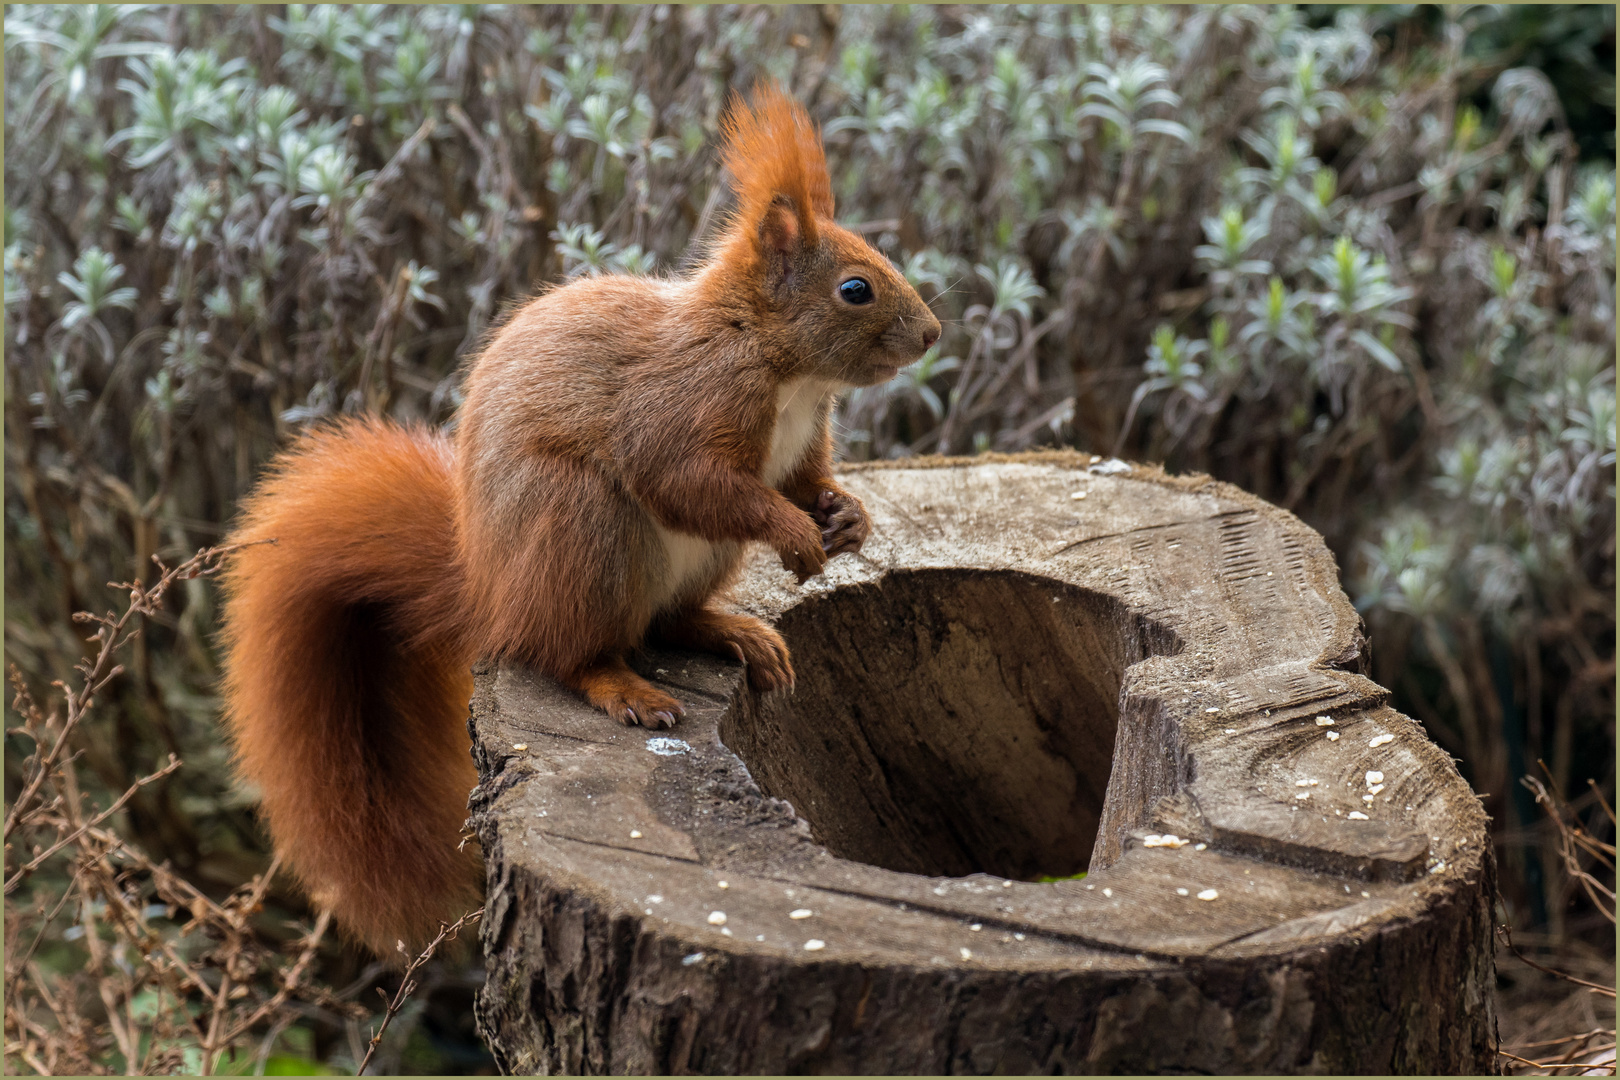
(689,560)
(798,407)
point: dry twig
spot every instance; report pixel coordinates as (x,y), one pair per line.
(407,982)
(149,999)
(1577,847)
(1579,851)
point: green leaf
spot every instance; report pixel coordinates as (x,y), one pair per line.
(1166,127)
(1377,350)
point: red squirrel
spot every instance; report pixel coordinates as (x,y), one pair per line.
(620,441)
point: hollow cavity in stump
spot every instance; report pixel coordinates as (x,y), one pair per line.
(950,722)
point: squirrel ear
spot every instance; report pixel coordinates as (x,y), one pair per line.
(780,240)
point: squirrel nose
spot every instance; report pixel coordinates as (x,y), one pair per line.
(930,336)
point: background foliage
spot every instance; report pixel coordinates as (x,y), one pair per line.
(1358,261)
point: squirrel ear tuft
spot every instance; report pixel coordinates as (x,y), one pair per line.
(773,152)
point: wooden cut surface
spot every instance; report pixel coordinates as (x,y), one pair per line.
(1007,683)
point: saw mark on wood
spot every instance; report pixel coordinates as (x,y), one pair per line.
(617,847)
(989,922)
(1146,528)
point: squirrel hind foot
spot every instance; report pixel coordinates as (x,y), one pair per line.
(611,686)
(728,634)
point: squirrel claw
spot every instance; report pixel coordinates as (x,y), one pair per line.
(772,672)
(843,521)
(653,711)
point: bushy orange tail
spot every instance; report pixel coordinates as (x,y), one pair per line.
(346,683)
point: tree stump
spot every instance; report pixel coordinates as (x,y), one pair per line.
(1039,665)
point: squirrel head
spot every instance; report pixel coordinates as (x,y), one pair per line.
(829,305)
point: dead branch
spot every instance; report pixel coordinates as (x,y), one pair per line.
(407,982)
(1505,932)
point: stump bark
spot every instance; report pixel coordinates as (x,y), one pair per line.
(1011,683)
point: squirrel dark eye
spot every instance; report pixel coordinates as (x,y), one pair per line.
(856,291)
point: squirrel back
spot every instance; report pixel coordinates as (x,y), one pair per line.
(621,440)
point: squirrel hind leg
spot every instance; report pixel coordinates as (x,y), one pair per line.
(727,634)
(610,685)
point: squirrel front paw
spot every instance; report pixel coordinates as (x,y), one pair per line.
(843,521)
(801,551)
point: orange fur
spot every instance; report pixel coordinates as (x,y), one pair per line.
(620,442)
(773,149)
(343,670)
